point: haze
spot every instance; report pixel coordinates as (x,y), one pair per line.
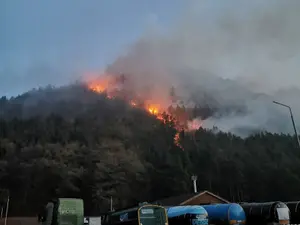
(189,44)
(55,41)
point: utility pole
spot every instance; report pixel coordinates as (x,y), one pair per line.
(292,118)
(110,201)
(111,204)
(6,213)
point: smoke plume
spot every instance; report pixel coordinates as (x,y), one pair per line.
(236,60)
(233,58)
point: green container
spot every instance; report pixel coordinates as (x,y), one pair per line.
(70,211)
(63,211)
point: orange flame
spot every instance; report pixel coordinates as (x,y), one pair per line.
(177,140)
(98,86)
(106,84)
(153,110)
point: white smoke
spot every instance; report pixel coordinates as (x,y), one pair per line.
(242,56)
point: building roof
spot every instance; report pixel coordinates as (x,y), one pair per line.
(176,200)
(185,198)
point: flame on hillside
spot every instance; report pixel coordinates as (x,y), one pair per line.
(112,87)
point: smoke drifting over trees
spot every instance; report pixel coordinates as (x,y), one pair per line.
(224,64)
(234,59)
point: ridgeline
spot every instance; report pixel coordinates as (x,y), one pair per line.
(72,142)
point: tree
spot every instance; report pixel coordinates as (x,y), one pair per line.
(93,148)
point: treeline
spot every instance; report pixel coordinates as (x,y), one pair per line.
(102,148)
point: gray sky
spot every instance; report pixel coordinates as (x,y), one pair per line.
(54,41)
(255,44)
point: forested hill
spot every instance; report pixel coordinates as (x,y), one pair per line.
(76,143)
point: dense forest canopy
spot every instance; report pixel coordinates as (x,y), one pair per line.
(73,142)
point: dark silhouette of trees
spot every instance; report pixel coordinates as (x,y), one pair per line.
(75,143)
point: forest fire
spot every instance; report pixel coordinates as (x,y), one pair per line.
(98,85)
(110,85)
(177,140)
(153,110)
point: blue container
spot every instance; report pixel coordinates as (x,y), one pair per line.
(225,214)
(187,215)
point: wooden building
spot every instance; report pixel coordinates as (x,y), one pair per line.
(201,198)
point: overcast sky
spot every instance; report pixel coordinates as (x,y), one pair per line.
(56,41)
(53,41)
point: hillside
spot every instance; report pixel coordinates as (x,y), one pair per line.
(74,142)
